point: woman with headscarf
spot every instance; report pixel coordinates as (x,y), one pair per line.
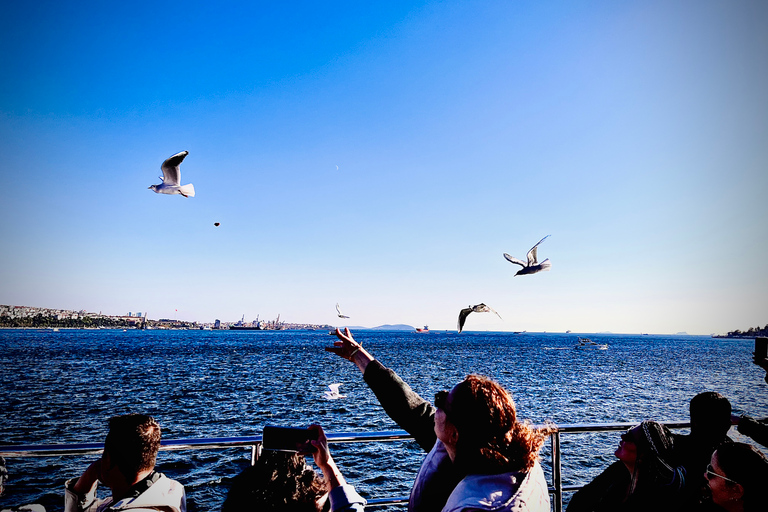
(642,479)
(737,476)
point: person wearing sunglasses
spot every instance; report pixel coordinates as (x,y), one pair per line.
(642,479)
(480,456)
(737,476)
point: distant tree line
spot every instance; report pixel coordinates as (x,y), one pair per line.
(44,321)
(752,332)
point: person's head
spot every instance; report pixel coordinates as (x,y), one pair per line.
(477,421)
(738,472)
(647,439)
(279,481)
(710,416)
(132,444)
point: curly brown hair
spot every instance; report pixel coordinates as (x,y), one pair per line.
(491,439)
(279,481)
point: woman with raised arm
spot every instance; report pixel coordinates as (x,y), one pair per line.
(480,456)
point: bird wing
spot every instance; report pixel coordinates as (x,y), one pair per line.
(338,310)
(334,388)
(463,314)
(494,311)
(170,168)
(514,260)
(532,254)
(482,308)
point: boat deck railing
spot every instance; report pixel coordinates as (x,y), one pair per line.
(556,487)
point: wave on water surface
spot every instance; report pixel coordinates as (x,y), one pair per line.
(62,388)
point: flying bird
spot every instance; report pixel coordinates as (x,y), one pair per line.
(479,308)
(217,224)
(333,393)
(338,310)
(533,264)
(171,178)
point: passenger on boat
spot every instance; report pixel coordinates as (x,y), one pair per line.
(282,481)
(736,477)
(480,456)
(710,414)
(642,479)
(127,467)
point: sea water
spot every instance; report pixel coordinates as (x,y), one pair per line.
(61,387)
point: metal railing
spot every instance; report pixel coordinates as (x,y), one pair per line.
(556,487)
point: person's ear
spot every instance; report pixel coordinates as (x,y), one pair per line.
(737,492)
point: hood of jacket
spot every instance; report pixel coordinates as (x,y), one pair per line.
(504,492)
(165,494)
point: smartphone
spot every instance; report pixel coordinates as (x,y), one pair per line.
(288,439)
(761,348)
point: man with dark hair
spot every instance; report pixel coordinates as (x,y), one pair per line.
(127,467)
(710,421)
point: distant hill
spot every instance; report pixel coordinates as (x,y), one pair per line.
(385,327)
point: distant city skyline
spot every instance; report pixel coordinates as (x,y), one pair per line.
(385,157)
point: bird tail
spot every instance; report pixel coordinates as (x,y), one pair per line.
(545,265)
(187,190)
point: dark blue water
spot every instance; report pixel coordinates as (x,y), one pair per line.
(62,387)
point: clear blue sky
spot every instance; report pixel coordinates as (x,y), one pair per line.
(635,133)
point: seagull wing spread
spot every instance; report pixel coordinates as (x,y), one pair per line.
(514,260)
(532,254)
(170,168)
(463,314)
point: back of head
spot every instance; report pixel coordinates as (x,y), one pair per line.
(746,465)
(279,481)
(132,443)
(651,437)
(710,416)
(491,440)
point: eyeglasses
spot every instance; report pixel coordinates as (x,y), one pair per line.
(441,402)
(711,471)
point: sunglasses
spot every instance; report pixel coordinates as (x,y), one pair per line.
(711,471)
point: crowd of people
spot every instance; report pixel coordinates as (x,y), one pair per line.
(479,457)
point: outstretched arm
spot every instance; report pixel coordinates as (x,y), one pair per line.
(406,408)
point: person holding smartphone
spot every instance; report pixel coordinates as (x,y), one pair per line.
(282,480)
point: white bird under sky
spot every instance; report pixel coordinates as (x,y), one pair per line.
(172,177)
(333,392)
(338,310)
(479,308)
(532,265)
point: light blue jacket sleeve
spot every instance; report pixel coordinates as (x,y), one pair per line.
(344,498)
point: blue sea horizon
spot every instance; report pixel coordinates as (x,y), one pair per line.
(61,387)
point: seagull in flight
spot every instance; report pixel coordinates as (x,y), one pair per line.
(533,264)
(333,393)
(338,310)
(171,178)
(479,308)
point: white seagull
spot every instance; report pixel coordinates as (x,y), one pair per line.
(533,265)
(333,393)
(171,178)
(338,310)
(479,308)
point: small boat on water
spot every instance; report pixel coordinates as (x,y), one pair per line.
(423,329)
(588,343)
